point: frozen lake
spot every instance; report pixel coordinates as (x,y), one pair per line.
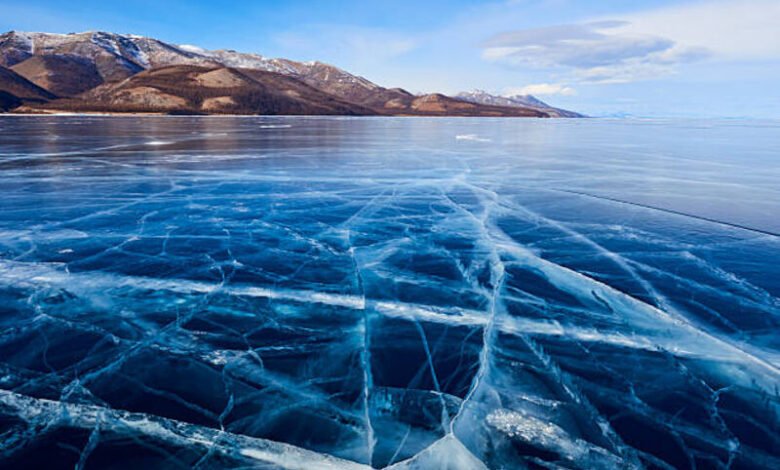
(407,292)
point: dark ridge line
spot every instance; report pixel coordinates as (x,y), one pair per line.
(672,211)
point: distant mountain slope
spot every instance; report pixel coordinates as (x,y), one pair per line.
(214,89)
(356,89)
(392,101)
(69,64)
(16,90)
(109,59)
(118,56)
(523,101)
(8,101)
(437,104)
(17,85)
(63,75)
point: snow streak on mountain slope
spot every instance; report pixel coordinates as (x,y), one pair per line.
(135,53)
(71,64)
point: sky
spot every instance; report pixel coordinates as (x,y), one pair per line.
(662,58)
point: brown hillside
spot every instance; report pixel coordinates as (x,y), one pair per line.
(63,75)
(220,90)
(16,90)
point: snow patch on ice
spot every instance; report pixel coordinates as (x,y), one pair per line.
(471,138)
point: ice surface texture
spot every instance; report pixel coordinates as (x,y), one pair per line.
(350,293)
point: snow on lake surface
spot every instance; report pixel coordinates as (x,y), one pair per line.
(371,292)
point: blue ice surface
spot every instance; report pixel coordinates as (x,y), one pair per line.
(198,292)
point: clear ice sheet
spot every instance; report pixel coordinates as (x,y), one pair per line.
(356,293)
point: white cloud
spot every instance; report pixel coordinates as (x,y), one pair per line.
(593,51)
(645,45)
(541,89)
(731,29)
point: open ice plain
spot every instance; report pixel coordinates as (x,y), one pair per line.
(405,293)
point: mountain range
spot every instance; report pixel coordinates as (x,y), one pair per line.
(107,72)
(526,101)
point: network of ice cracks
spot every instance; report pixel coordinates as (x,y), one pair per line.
(182,305)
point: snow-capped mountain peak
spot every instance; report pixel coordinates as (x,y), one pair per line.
(526,101)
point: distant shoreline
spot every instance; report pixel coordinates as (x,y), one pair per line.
(161,114)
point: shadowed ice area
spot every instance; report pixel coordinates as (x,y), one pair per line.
(297,293)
